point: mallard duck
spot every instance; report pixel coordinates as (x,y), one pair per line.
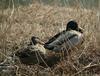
(36,54)
(69,38)
(32,54)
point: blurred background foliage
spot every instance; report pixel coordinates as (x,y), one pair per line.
(83,3)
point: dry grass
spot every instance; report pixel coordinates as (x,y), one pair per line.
(19,24)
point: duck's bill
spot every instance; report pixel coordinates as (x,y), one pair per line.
(38,40)
(80,29)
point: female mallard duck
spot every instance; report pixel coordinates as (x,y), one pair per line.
(32,54)
(69,38)
(36,54)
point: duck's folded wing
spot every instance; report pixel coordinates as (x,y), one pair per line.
(56,41)
(54,37)
(49,44)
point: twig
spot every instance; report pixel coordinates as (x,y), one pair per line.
(86,67)
(42,59)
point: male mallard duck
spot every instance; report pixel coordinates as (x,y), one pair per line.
(69,38)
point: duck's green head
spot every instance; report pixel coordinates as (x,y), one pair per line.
(73,25)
